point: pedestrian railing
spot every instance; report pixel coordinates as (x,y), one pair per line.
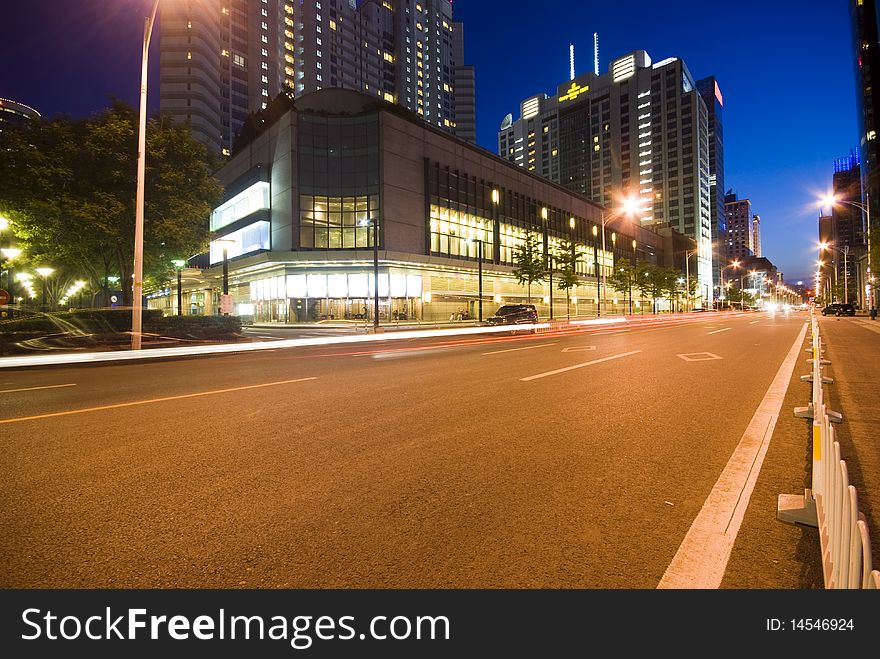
(832,504)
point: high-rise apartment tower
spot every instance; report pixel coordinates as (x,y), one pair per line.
(224,59)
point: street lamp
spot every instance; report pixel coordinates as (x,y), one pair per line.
(370,223)
(479,275)
(734,264)
(10,253)
(831,200)
(137,308)
(630,206)
(44,273)
(687,274)
(845,251)
(179,263)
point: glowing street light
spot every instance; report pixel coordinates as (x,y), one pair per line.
(629,206)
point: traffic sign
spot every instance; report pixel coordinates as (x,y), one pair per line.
(4,296)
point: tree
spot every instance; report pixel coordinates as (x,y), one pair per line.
(69,187)
(655,282)
(734,294)
(567,258)
(528,259)
(626,278)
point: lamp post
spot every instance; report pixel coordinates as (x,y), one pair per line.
(137,308)
(370,223)
(734,264)
(687,275)
(831,200)
(596,267)
(179,263)
(845,251)
(630,206)
(10,253)
(479,276)
(44,273)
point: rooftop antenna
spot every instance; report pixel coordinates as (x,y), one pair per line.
(571,61)
(596,53)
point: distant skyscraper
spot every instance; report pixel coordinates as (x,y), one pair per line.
(866,59)
(847,239)
(756,235)
(740,231)
(221,61)
(641,129)
(711,93)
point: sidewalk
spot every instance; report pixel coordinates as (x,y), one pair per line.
(853,347)
(769,553)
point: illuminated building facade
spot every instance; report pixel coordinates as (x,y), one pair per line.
(640,129)
(224,59)
(740,229)
(303,198)
(710,91)
(13,112)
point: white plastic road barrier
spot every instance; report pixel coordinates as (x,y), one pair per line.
(831,504)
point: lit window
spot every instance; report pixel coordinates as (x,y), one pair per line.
(332,24)
(224,53)
(189,56)
(872,134)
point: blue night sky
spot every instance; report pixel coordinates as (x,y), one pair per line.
(784,68)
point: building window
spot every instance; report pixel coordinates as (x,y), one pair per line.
(338,222)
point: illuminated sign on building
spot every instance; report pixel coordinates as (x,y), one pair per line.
(573,92)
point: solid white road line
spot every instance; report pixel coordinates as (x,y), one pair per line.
(754,321)
(571,368)
(498,352)
(152,400)
(721,330)
(48,386)
(702,558)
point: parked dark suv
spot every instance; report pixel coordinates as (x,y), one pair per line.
(514,314)
(839,309)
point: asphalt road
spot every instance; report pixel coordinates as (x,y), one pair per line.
(555,460)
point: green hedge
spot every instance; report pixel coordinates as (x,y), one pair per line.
(91,321)
(198,327)
(108,328)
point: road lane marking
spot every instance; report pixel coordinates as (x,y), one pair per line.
(754,321)
(48,386)
(571,368)
(151,400)
(868,325)
(721,330)
(578,348)
(702,558)
(698,356)
(498,352)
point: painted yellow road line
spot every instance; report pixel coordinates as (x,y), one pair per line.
(498,352)
(721,330)
(702,558)
(151,400)
(571,368)
(48,386)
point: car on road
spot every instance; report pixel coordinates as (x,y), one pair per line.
(514,314)
(839,309)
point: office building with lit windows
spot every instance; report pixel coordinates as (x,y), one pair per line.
(306,199)
(15,113)
(641,129)
(740,227)
(224,59)
(714,100)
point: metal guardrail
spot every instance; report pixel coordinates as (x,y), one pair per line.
(832,504)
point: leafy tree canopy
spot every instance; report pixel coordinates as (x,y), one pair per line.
(69,188)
